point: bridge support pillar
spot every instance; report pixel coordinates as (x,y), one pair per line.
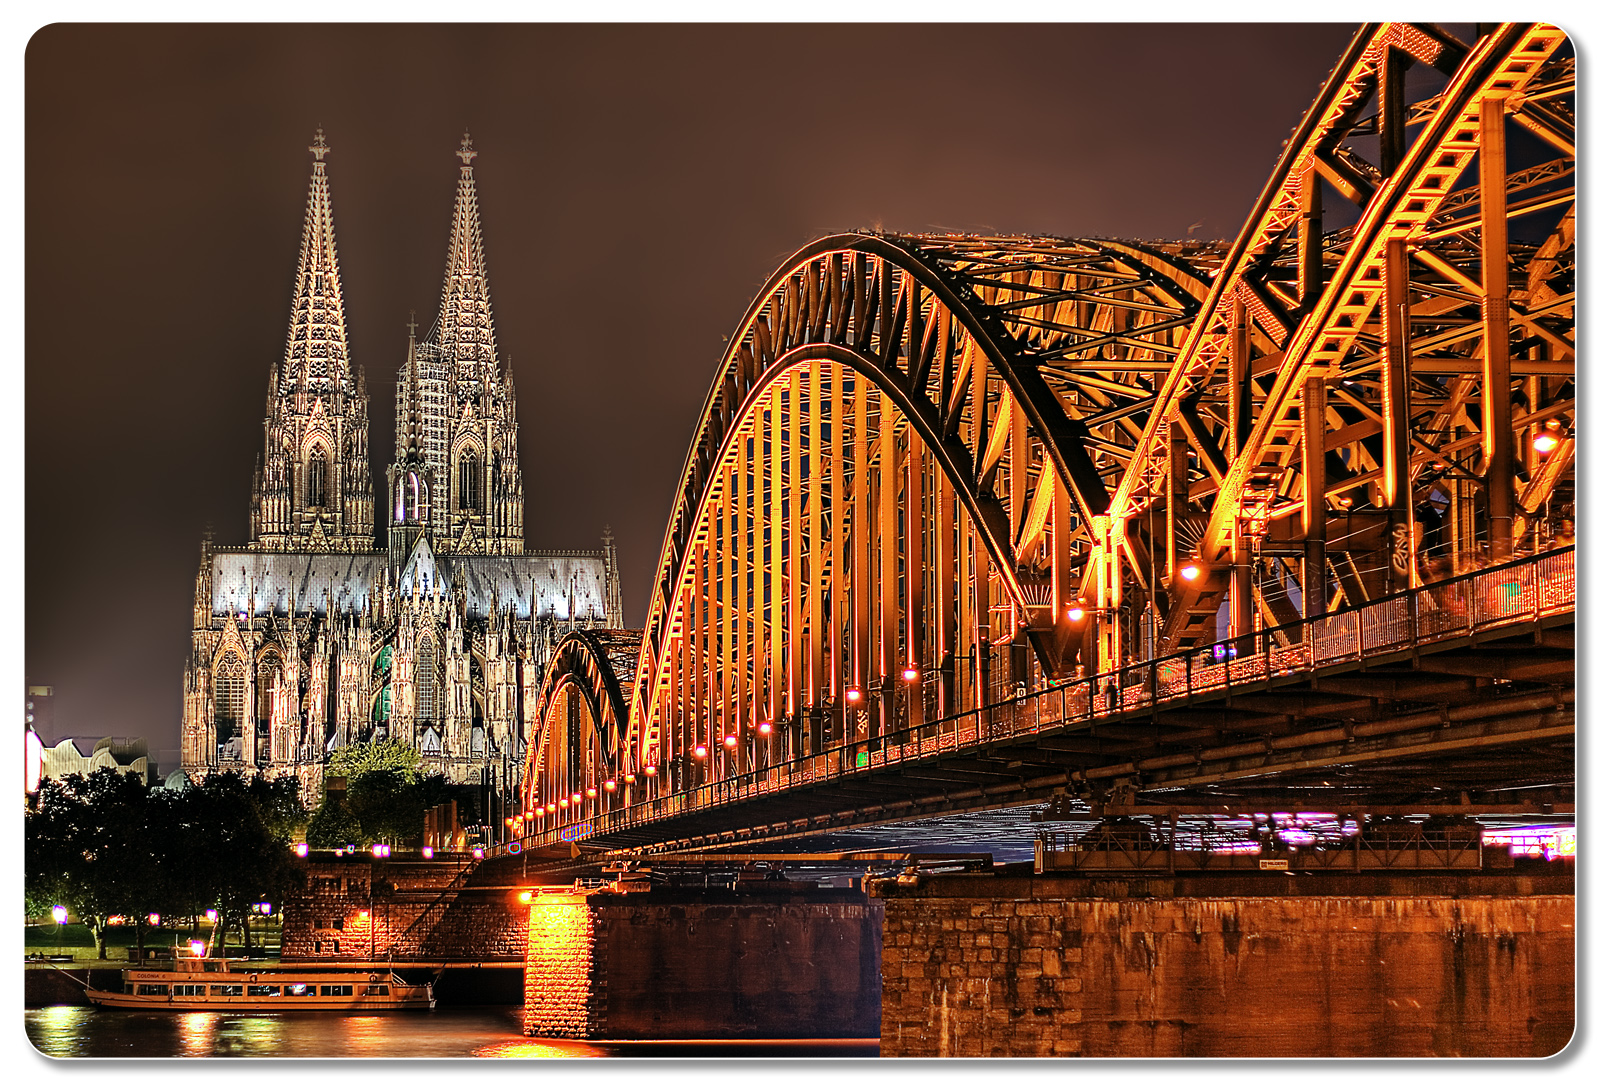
(1230,965)
(776,960)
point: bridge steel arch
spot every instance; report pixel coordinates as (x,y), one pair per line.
(584,701)
(932,470)
(1372,407)
(906,443)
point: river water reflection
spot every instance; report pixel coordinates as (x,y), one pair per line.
(83,1031)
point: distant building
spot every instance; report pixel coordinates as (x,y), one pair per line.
(310,637)
(67,758)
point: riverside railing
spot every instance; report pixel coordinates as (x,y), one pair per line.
(1519,591)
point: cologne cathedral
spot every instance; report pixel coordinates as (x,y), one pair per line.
(310,637)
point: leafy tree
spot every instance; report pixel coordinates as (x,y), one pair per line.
(382,755)
(93,843)
(333,826)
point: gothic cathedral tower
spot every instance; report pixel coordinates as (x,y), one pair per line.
(313,487)
(456,477)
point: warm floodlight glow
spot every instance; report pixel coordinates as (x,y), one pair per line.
(592,792)
(610,785)
(538,812)
(1075,613)
(730,742)
(649,770)
(526,897)
(59,914)
(1545,443)
(563,804)
(853,695)
(700,751)
(302,850)
(197,948)
(427,853)
(910,674)
(765,728)
(1189,572)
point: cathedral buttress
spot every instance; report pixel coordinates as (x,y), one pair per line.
(313,488)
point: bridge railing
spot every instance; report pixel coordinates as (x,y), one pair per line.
(1512,592)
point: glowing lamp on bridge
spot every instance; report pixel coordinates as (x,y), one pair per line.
(364,914)
(1548,438)
(563,804)
(59,914)
(649,770)
(528,815)
(549,808)
(538,811)
(629,778)
(853,695)
(526,896)
(302,850)
(700,751)
(910,674)
(592,792)
(730,742)
(1189,572)
(577,797)
(764,728)
(427,853)
(154,919)
(610,785)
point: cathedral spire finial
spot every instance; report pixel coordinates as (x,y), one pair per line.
(319,145)
(466,153)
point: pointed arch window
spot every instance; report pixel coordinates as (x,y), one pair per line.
(316,478)
(469,480)
(229,697)
(427,680)
(413,497)
(265,678)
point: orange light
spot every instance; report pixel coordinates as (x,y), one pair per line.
(853,695)
(526,897)
(610,785)
(649,770)
(1075,613)
(577,797)
(528,815)
(910,674)
(366,914)
(1189,572)
(563,804)
(730,742)
(629,778)
(539,812)
(592,792)
(764,728)
(549,807)
(1545,443)
(700,751)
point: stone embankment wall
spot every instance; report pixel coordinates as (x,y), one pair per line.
(704,963)
(1409,967)
(424,910)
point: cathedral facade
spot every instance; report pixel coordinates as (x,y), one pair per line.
(311,637)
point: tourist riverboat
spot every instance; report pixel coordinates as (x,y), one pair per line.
(212,985)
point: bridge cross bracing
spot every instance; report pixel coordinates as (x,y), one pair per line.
(952,491)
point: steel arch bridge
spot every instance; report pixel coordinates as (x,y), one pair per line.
(939,475)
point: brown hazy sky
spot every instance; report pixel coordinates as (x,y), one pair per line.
(637,186)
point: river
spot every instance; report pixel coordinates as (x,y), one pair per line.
(83,1031)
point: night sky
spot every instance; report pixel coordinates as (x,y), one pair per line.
(637,185)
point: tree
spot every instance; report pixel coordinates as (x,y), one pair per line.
(333,826)
(92,843)
(382,755)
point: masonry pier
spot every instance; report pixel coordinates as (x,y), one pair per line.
(1255,965)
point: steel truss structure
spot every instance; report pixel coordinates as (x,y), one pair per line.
(936,473)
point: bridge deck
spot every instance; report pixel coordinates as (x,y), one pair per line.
(1470,678)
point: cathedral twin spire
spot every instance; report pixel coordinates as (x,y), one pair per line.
(456,477)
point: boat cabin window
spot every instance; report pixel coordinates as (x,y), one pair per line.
(298,990)
(227,989)
(153,989)
(377,991)
(338,991)
(188,989)
(264,990)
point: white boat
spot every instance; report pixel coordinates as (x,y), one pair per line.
(211,985)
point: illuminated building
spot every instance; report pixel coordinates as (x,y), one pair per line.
(310,637)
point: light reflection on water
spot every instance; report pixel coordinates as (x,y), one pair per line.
(84,1031)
